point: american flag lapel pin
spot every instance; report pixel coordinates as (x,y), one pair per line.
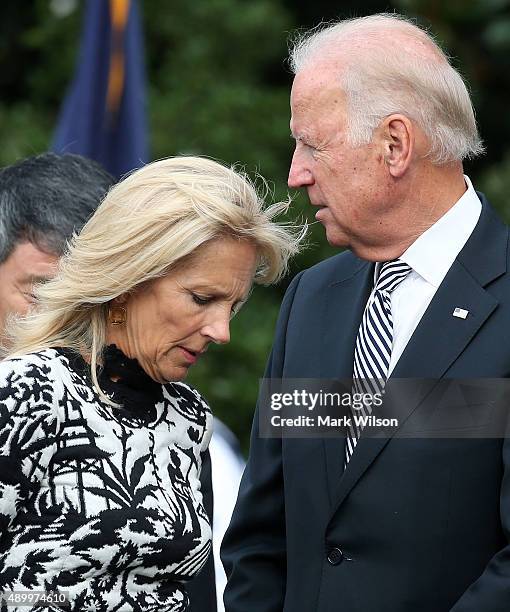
(460,313)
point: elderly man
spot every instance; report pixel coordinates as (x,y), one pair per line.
(43,200)
(382,123)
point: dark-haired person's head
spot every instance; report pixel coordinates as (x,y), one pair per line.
(43,200)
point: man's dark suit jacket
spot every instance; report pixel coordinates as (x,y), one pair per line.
(412,525)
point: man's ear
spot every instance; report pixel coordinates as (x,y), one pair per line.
(397,134)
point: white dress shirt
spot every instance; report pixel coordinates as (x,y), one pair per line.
(227,470)
(430,257)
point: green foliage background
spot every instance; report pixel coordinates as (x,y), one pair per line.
(218,86)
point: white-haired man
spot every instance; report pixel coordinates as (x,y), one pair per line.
(382,123)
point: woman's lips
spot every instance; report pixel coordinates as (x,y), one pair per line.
(189,356)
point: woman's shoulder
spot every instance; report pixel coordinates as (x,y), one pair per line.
(31,362)
(30,384)
(44,365)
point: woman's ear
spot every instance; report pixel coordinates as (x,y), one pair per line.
(120,299)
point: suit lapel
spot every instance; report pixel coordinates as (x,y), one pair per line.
(442,335)
(439,337)
(344,306)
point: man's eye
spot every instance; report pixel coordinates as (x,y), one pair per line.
(200,300)
(307,144)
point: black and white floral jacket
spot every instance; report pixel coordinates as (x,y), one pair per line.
(101,503)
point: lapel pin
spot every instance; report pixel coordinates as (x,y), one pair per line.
(460,313)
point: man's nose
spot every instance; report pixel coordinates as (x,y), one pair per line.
(299,174)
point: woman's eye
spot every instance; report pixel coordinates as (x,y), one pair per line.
(200,300)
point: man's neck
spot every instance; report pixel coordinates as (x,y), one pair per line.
(424,199)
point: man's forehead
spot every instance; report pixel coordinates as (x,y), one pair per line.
(27,261)
(314,94)
(317,80)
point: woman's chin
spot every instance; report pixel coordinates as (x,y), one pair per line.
(173,374)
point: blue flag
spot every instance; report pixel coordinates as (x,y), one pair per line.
(103,115)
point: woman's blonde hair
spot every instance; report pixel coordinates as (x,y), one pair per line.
(148,222)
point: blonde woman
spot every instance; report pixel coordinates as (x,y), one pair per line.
(100,439)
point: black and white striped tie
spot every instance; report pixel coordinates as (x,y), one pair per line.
(374,343)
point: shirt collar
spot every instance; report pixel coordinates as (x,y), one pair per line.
(432,254)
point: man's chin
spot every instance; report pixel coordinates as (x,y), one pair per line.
(335,237)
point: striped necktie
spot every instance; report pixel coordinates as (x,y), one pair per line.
(374,343)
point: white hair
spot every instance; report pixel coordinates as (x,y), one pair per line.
(380,77)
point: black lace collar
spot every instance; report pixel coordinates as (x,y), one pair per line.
(134,390)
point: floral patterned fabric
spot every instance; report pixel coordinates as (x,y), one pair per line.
(100,502)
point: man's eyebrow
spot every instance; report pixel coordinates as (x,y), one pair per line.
(302,136)
(294,135)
